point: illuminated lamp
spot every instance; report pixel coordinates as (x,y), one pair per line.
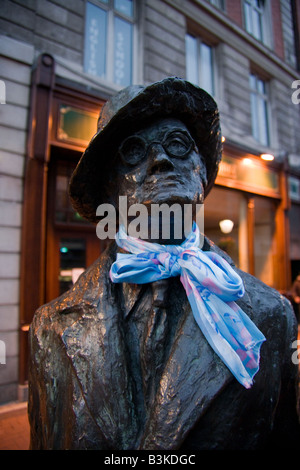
(226,225)
(267,157)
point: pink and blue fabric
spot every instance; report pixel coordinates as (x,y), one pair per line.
(212,287)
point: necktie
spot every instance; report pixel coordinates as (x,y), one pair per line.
(211,285)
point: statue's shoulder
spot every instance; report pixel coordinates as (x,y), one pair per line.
(265,299)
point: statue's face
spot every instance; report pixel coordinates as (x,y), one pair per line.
(161,164)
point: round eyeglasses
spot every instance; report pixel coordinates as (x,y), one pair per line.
(176,144)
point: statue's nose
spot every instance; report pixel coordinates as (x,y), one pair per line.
(159,160)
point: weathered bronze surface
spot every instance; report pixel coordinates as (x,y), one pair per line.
(121,366)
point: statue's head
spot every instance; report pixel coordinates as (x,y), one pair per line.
(154,144)
(160,163)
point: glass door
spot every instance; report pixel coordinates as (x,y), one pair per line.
(72,261)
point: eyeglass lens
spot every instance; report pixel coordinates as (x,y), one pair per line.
(176,144)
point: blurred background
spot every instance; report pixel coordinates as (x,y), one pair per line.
(60,60)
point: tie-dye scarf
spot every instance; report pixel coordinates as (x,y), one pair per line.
(211,286)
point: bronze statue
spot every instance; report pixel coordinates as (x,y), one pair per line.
(125,366)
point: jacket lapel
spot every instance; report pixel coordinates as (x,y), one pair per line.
(131,294)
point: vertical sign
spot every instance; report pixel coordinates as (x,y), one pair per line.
(95,40)
(123,52)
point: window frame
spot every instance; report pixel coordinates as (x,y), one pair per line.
(220,4)
(199,41)
(264,13)
(262,96)
(109,68)
(251,8)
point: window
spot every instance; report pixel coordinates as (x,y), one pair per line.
(108,48)
(256,20)
(64,212)
(218,3)
(259,110)
(200,63)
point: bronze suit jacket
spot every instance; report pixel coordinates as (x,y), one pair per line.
(113,366)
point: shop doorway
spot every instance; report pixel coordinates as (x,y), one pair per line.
(71,244)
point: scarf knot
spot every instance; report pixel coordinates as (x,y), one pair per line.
(212,287)
(170,264)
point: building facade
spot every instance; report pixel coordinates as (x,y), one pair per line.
(61,60)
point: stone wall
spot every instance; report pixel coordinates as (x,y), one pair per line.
(16,60)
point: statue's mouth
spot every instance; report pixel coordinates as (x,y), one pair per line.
(163,178)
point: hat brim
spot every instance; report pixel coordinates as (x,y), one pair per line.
(171,97)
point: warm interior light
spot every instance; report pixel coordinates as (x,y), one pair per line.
(247,161)
(267,157)
(223,139)
(226,225)
(25,327)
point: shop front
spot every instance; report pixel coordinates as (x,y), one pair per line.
(246,216)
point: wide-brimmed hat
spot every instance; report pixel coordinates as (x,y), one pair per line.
(124,114)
